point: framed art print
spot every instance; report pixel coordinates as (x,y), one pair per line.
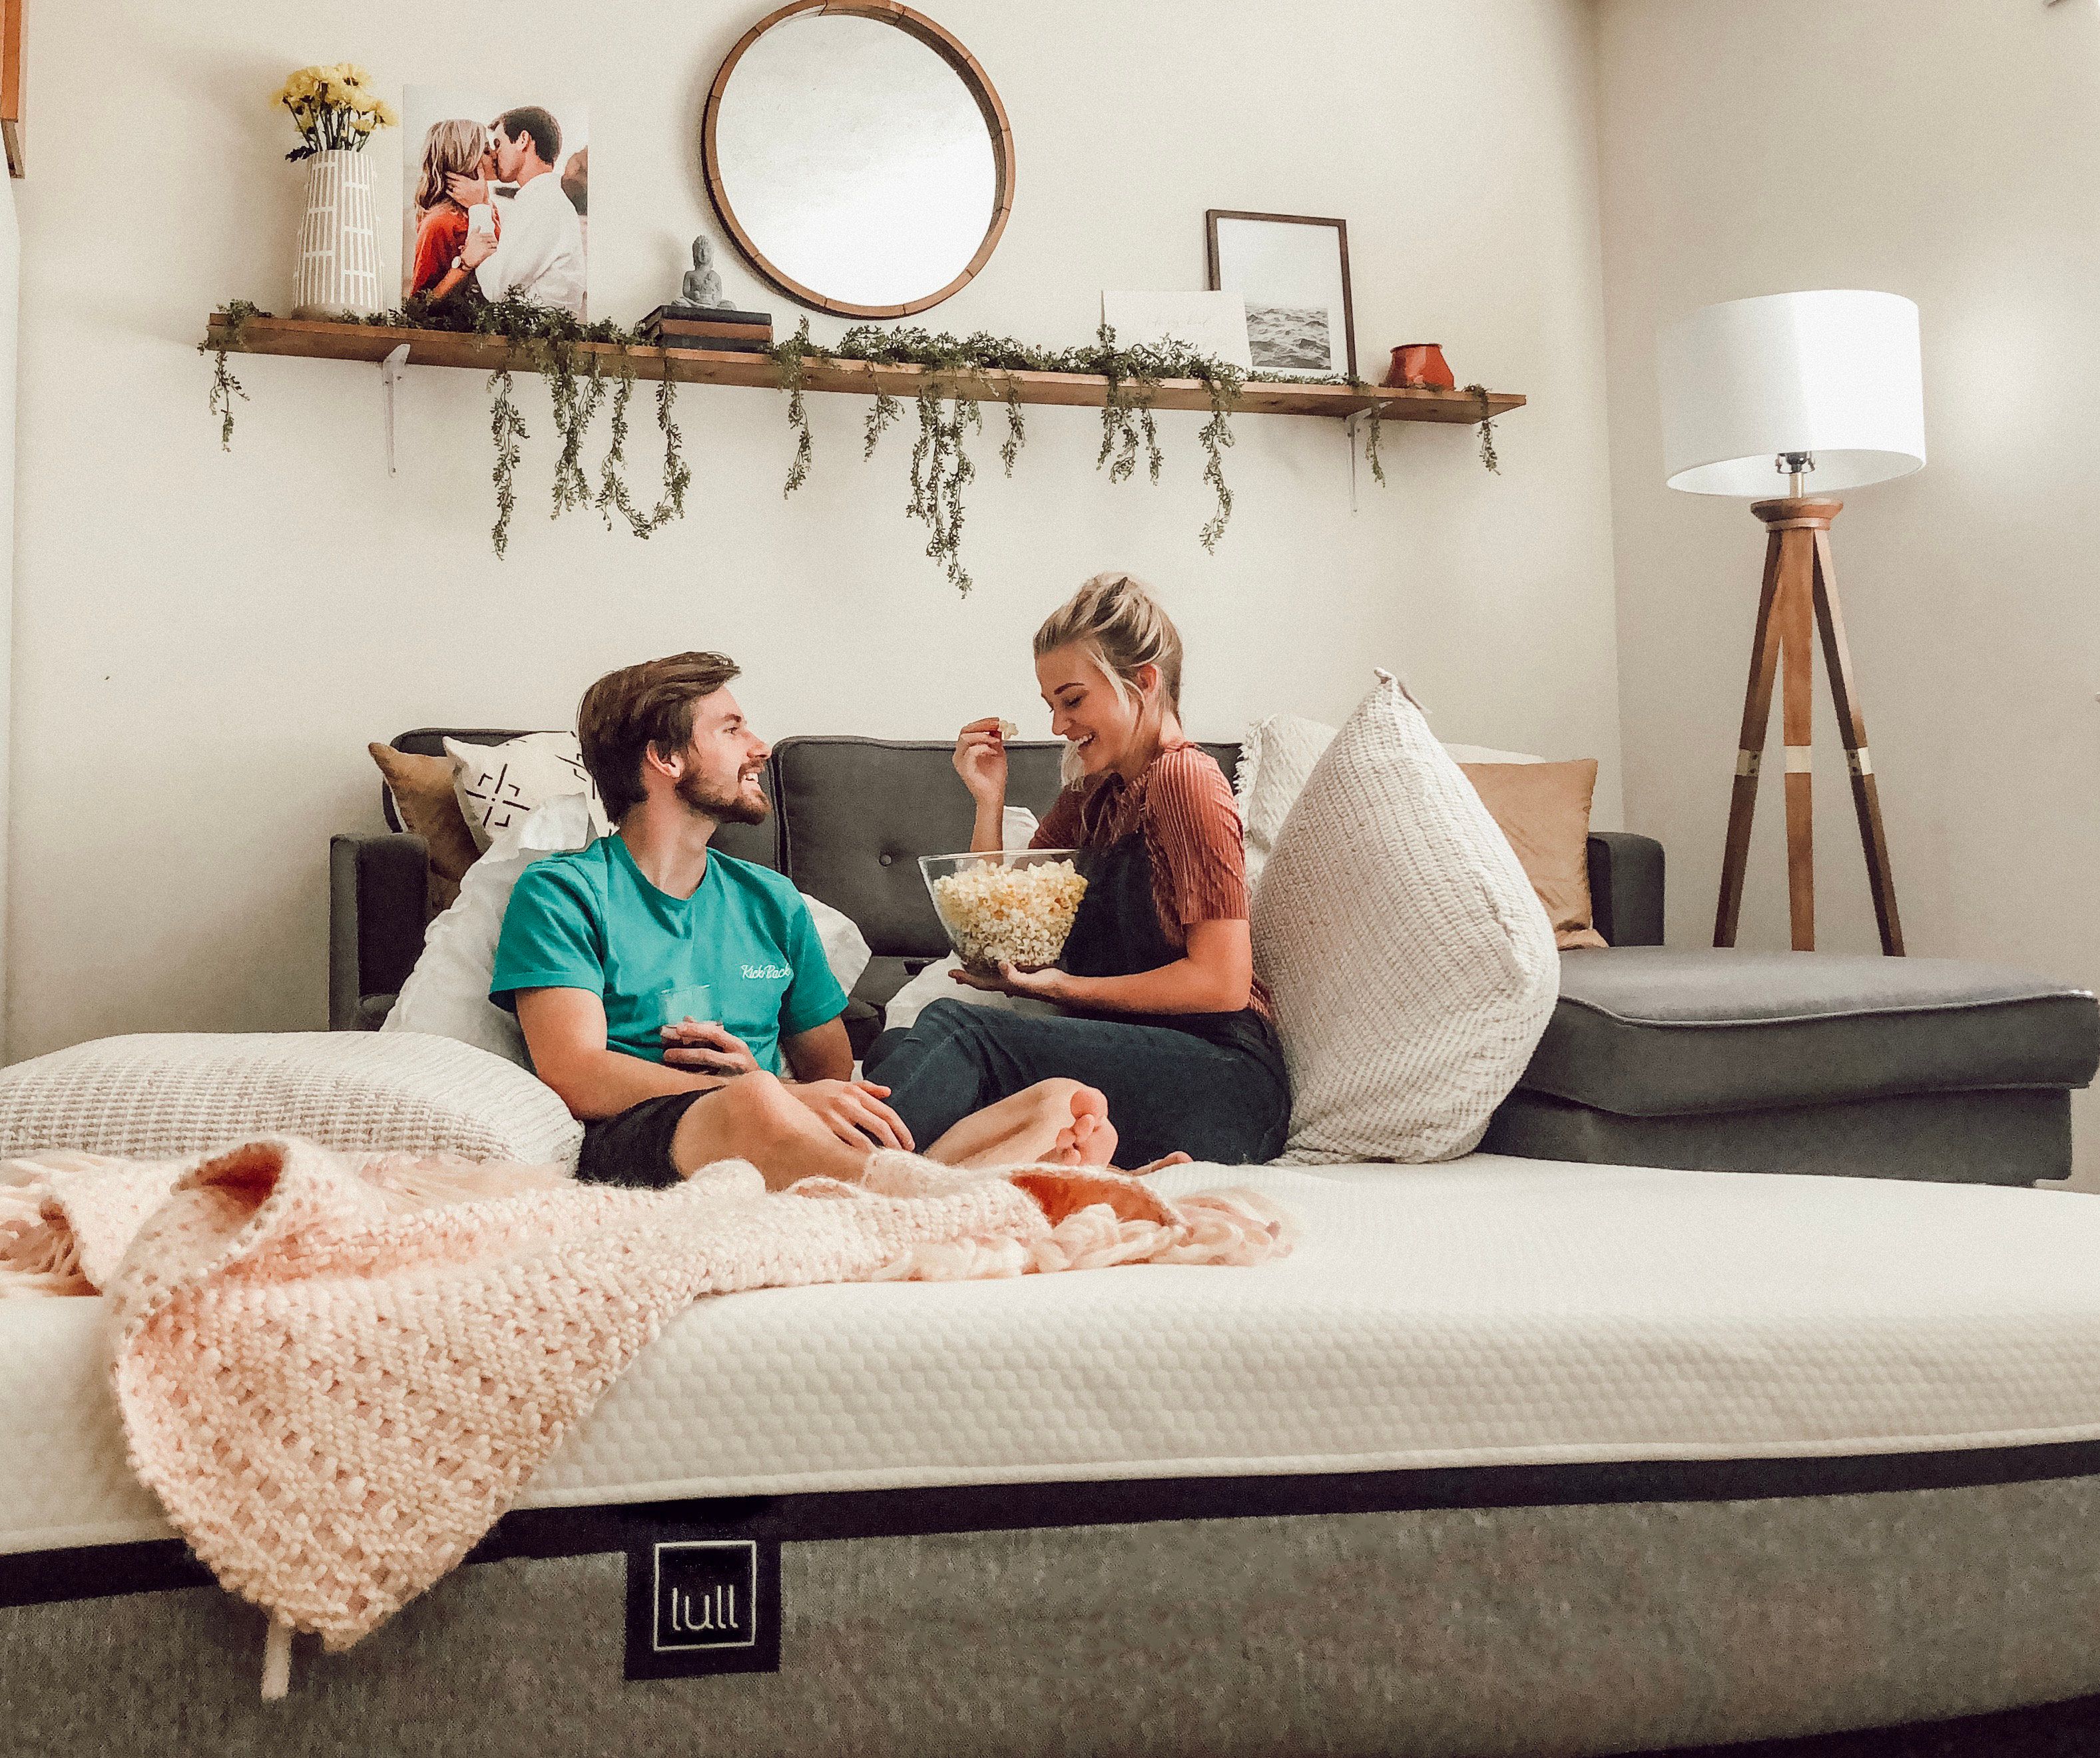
(1292,270)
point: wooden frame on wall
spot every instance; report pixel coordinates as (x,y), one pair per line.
(942,43)
(11,82)
(1211,216)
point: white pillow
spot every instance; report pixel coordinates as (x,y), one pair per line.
(448,992)
(1017,830)
(499,786)
(1275,757)
(163,1095)
(1412,963)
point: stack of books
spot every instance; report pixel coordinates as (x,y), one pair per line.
(717,327)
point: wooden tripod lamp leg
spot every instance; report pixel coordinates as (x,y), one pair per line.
(1750,751)
(1801,591)
(1795,611)
(1851,723)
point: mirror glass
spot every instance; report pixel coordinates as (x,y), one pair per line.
(855,163)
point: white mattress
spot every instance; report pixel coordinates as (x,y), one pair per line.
(1490,1312)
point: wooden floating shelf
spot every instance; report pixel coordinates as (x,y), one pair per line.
(309,340)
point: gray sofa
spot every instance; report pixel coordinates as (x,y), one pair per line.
(1919,1069)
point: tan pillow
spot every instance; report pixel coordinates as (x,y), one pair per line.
(1543,808)
(422,789)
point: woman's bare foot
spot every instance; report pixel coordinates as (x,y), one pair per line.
(1176,1159)
(1090,1140)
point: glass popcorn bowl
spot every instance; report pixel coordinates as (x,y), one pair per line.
(1014,907)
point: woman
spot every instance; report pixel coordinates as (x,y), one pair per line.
(1162,1012)
(450,148)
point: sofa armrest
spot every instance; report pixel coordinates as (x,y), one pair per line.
(1625,887)
(378,888)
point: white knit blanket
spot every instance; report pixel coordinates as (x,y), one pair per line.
(337,1371)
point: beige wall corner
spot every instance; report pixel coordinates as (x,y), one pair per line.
(1949,153)
(10,265)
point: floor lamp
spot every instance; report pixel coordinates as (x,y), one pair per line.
(1825,383)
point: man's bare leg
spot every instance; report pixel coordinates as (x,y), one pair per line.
(754,1117)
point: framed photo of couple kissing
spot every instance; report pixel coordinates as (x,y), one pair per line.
(1292,269)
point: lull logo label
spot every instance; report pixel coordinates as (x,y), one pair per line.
(698,1605)
(707,1594)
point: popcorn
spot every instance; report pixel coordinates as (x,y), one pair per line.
(1017,914)
(1009,730)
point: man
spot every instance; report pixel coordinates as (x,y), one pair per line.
(592,939)
(539,256)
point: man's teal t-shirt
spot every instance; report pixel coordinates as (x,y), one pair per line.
(590,920)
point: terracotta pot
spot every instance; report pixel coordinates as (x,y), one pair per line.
(1419,366)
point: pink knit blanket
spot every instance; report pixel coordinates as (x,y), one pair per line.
(336,1373)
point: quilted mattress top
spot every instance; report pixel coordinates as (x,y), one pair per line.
(1488,1311)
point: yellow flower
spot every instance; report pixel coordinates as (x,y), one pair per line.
(387,115)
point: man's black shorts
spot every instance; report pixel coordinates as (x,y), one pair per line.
(633,1147)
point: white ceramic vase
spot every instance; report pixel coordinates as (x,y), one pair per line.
(339,269)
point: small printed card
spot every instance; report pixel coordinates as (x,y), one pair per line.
(1215,323)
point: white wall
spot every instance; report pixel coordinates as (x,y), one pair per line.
(11,264)
(206,642)
(1952,153)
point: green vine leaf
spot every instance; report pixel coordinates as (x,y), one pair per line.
(225,387)
(788,358)
(881,413)
(506,427)
(1489,460)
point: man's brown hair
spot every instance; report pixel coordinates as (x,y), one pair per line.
(641,708)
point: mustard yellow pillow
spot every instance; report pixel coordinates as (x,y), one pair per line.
(428,807)
(1543,808)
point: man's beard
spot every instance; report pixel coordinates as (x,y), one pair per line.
(724,809)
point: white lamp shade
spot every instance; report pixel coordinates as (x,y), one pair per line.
(1834,374)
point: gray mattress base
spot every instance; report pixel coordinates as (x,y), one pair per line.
(2015,1135)
(1595,1628)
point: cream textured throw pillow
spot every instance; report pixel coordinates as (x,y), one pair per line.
(500,785)
(1276,756)
(1413,966)
(163,1095)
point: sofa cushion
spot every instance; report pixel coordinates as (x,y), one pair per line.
(499,787)
(1412,963)
(421,791)
(1544,810)
(1276,756)
(1649,1031)
(856,813)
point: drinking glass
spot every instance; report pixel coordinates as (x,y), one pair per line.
(693,1002)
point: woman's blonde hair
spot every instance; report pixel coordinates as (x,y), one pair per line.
(1115,618)
(454,146)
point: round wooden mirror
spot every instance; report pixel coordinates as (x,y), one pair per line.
(859,157)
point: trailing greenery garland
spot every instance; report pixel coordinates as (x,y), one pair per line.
(1489,460)
(546,341)
(225,387)
(941,469)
